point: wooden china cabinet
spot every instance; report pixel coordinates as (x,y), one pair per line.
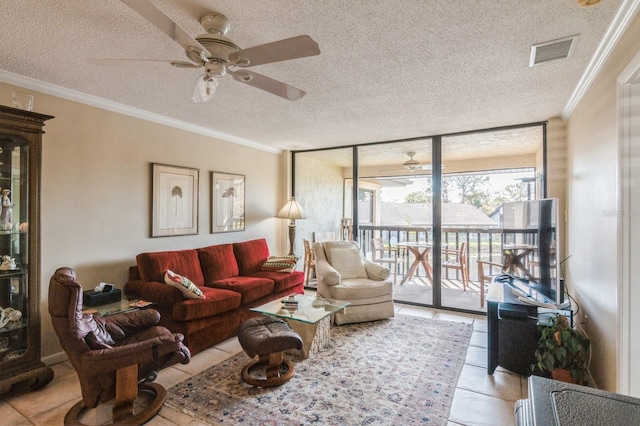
(20,158)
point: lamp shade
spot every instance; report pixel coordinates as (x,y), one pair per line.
(291,210)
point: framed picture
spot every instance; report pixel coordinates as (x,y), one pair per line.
(175,201)
(227,202)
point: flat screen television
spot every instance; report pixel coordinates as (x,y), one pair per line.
(534,226)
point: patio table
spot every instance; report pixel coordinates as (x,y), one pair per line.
(420,252)
(514,257)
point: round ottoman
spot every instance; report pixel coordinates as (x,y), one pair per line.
(267,337)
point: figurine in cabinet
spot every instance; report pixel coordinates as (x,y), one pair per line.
(8,263)
(5,216)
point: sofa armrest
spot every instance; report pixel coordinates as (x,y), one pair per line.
(153,291)
(327,273)
(375,271)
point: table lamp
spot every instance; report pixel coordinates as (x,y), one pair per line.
(292,211)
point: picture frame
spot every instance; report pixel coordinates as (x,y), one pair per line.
(227,202)
(174,208)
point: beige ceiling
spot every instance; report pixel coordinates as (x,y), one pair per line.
(388,69)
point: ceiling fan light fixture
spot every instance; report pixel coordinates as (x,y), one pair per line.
(205,88)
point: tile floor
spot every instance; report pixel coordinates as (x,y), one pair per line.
(480,399)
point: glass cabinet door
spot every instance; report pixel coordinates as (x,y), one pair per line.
(14,260)
(20,159)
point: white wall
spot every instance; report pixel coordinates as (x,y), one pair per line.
(593,191)
(96,192)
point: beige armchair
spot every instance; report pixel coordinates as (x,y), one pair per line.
(344,274)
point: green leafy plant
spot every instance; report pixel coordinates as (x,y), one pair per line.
(562,347)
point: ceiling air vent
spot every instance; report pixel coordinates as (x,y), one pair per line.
(552,50)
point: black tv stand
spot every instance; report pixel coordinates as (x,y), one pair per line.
(512,329)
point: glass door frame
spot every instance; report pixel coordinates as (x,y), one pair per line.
(436,191)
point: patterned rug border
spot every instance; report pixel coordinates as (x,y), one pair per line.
(381,372)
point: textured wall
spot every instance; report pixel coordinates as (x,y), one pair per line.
(319,188)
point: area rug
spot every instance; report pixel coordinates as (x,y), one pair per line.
(399,371)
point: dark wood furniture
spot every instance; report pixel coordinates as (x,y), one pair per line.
(512,330)
(20,158)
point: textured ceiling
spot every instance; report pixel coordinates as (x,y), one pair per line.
(388,70)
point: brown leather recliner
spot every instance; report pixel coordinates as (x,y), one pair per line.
(112,355)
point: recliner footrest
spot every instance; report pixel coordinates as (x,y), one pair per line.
(268,337)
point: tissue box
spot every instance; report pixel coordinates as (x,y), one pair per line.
(94,298)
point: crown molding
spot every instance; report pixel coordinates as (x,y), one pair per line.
(627,11)
(83,98)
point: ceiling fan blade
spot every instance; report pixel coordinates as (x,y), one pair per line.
(111,62)
(164,23)
(393,169)
(267,84)
(283,50)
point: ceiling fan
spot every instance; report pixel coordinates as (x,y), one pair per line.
(411,165)
(219,56)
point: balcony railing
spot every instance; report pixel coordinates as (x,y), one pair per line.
(482,243)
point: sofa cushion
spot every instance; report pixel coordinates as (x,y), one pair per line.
(283,281)
(251,255)
(348,262)
(285,264)
(331,245)
(188,289)
(251,288)
(218,262)
(152,266)
(217,301)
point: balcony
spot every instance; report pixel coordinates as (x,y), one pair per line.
(482,243)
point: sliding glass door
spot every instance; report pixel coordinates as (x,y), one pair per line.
(430,202)
(481,172)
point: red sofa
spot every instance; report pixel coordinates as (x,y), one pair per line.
(229,275)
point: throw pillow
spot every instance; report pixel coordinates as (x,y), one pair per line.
(348,262)
(280,264)
(189,290)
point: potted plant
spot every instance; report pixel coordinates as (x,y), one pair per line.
(562,351)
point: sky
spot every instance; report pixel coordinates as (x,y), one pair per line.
(497,181)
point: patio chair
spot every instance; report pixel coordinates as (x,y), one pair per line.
(309,262)
(486,271)
(346,229)
(391,256)
(457,259)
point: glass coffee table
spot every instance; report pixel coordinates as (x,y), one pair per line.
(119,307)
(310,319)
